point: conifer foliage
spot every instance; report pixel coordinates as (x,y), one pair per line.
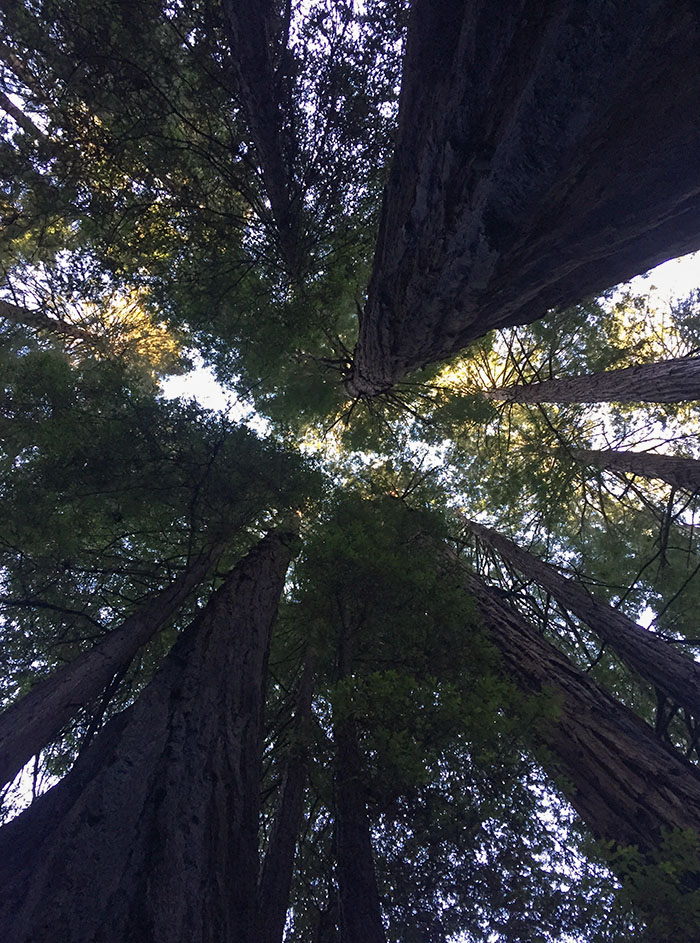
(400,645)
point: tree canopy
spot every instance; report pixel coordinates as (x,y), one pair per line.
(401,645)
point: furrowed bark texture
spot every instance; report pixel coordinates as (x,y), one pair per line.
(153,835)
(669,381)
(653,658)
(32,722)
(624,783)
(278,863)
(675,469)
(545,151)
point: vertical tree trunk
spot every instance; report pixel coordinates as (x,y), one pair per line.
(675,469)
(655,660)
(669,381)
(278,863)
(625,784)
(358,895)
(153,835)
(545,151)
(30,723)
(255,29)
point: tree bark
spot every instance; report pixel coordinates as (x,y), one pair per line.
(624,783)
(360,917)
(358,895)
(40,321)
(30,723)
(153,835)
(675,469)
(253,30)
(654,659)
(278,863)
(669,381)
(545,151)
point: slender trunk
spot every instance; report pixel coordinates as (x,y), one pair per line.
(153,835)
(40,321)
(358,895)
(278,863)
(624,783)
(359,908)
(655,660)
(30,723)
(669,381)
(254,34)
(501,202)
(675,469)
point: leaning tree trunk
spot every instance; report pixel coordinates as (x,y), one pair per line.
(278,863)
(669,381)
(154,833)
(625,784)
(654,659)
(45,324)
(358,895)
(36,719)
(545,151)
(675,469)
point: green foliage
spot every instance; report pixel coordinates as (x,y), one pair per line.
(663,887)
(128,174)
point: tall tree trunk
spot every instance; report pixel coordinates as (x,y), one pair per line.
(624,783)
(154,833)
(30,723)
(546,149)
(669,381)
(358,895)
(675,469)
(278,863)
(359,908)
(257,37)
(655,660)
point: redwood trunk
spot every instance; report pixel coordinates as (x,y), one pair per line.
(30,723)
(278,864)
(254,36)
(545,151)
(670,381)
(625,784)
(655,660)
(358,896)
(153,835)
(675,469)
(360,917)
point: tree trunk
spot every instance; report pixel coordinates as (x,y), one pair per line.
(624,783)
(655,660)
(254,29)
(40,321)
(360,917)
(278,863)
(358,896)
(36,719)
(153,835)
(675,469)
(545,151)
(670,381)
